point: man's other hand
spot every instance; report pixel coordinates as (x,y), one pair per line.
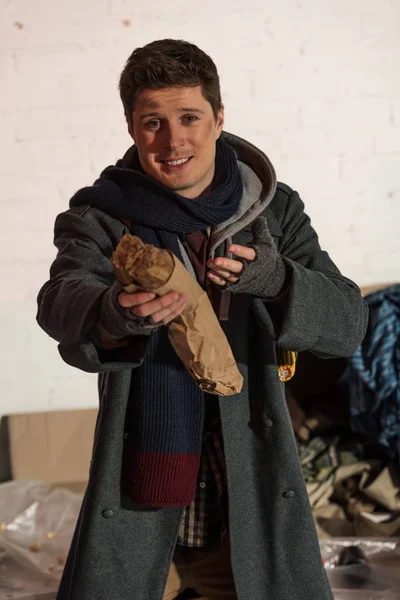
(228,270)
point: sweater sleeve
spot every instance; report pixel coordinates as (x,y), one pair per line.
(322,311)
(69,302)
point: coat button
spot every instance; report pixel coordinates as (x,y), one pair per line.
(288,494)
(268,422)
(107,513)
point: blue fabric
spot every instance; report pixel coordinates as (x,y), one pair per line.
(373,375)
(169,416)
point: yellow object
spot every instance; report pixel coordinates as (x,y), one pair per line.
(36,546)
(286,363)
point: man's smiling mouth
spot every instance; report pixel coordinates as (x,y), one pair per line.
(177,162)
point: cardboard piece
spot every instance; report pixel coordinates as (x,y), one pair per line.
(54,447)
(368,289)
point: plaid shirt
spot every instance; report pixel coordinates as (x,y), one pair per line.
(205,519)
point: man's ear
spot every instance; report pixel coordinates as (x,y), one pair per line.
(220,120)
(130,130)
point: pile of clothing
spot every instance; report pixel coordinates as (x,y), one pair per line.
(372,380)
(346,417)
(353,489)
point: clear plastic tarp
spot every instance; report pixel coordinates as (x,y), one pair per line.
(363,569)
(36,528)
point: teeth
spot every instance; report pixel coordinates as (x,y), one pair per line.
(174,163)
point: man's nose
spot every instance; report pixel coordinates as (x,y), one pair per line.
(174,137)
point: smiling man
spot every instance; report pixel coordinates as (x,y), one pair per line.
(237,523)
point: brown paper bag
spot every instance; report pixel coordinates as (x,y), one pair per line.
(196,334)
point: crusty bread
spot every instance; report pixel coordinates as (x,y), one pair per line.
(141,264)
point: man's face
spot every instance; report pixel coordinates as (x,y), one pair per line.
(175,132)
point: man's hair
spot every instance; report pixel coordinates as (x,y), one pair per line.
(168,63)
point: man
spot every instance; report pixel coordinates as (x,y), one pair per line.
(238,524)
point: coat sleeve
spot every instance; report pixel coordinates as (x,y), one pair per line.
(322,311)
(69,302)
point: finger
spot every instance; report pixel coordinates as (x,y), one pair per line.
(225,274)
(242,251)
(159,303)
(216,278)
(127,300)
(173,316)
(226,264)
(167,314)
(149,308)
(175,313)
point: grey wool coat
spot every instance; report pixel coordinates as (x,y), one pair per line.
(121,551)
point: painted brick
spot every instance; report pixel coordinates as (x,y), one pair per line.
(56,156)
(179,7)
(106,151)
(67,59)
(69,123)
(47,10)
(31,24)
(26,186)
(7,126)
(6,63)
(56,90)
(387,140)
(371,173)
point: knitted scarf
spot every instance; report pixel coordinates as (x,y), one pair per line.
(166,408)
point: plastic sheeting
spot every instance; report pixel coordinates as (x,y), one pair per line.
(37,524)
(374,574)
(36,528)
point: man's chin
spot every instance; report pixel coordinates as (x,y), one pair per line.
(176,185)
(187,187)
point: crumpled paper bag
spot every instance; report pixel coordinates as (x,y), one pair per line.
(196,334)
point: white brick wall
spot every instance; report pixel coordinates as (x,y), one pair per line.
(312,82)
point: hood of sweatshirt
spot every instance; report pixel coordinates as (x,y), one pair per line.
(259,186)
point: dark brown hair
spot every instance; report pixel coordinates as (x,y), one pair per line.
(168,63)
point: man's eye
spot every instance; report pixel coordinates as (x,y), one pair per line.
(153,124)
(190,118)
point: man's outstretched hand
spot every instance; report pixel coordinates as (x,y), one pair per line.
(157,310)
(123,315)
